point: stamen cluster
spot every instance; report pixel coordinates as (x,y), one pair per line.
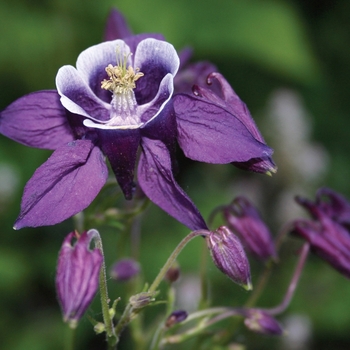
(121,79)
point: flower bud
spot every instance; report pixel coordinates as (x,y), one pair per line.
(77,275)
(176,317)
(244,219)
(142,299)
(173,274)
(125,269)
(261,322)
(229,256)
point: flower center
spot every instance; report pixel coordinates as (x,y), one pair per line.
(121,82)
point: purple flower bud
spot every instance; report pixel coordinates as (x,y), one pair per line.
(125,269)
(176,317)
(173,274)
(77,275)
(244,219)
(261,322)
(229,256)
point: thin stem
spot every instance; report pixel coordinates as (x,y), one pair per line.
(293,283)
(70,338)
(112,340)
(173,257)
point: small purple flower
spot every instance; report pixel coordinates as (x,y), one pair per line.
(261,322)
(328,238)
(117,100)
(125,269)
(229,256)
(244,219)
(77,275)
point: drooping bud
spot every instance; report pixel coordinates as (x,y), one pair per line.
(125,269)
(261,322)
(176,317)
(77,275)
(244,219)
(229,256)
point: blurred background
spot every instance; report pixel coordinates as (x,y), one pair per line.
(289,60)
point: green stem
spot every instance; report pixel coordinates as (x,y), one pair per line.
(173,257)
(70,336)
(112,340)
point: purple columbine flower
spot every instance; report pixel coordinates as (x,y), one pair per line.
(125,269)
(244,219)
(328,239)
(117,100)
(77,275)
(229,256)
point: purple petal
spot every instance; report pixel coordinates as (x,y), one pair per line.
(151,110)
(209,133)
(77,97)
(116,26)
(63,186)
(156,180)
(37,120)
(92,62)
(155,59)
(120,146)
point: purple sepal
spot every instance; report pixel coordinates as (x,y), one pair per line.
(77,275)
(207,132)
(157,182)
(261,322)
(37,120)
(63,186)
(116,26)
(229,122)
(335,205)
(229,256)
(244,219)
(125,269)
(328,238)
(120,147)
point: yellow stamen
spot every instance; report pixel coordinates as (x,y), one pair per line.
(121,79)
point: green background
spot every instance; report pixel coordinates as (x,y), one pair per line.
(261,47)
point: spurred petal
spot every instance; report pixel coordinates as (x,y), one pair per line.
(116,26)
(209,133)
(63,186)
(77,96)
(155,59)
(120,146)
(156,180)
(37,120)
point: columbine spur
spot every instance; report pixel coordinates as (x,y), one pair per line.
(119,99)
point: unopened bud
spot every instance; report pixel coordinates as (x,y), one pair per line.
(172,275)
(142,299)
(261,322)
(244,219)
(229,256)
(77,275)
(176,317)
(125,269)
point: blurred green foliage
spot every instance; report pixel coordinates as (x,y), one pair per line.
(259,46)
